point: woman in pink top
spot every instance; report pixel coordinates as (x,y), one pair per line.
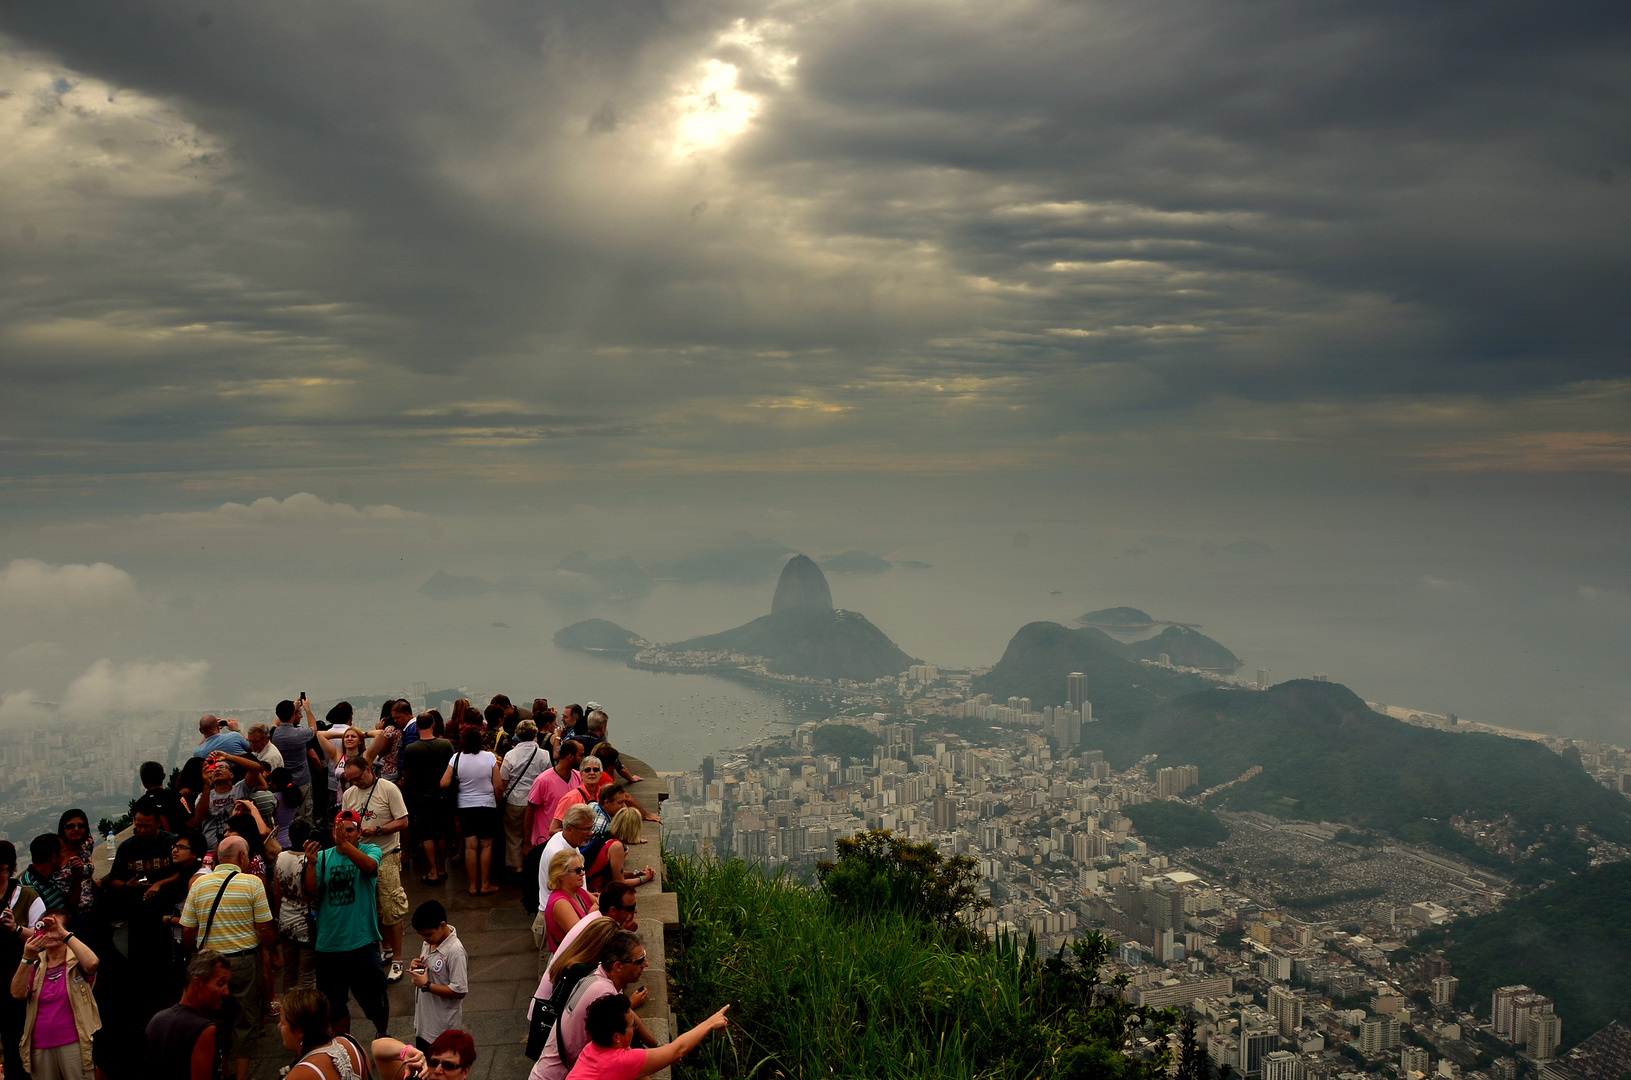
(56,977)
(568,900)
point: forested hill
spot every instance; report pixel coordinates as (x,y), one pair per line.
(1327,757)
(1041,654)
(1571,941)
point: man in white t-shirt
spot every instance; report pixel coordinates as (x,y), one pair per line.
(575,831)
(384,813)
(260,741)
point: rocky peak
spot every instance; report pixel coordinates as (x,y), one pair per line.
(802,585)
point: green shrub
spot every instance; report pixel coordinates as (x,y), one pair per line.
(877,870)
(819,990)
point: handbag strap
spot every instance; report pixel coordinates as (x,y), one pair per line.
(516,779)
(209,923)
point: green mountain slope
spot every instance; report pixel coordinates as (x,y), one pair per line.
(1186,647)
(599,636)
(1041,654)
(811,642)
(1571,941)
(1327,757)
(1126,617)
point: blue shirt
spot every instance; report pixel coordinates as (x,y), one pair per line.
(230,741)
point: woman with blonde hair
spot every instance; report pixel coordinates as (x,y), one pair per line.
(582,948)
(606,863)
(57,980)
(340,744)
(569,901)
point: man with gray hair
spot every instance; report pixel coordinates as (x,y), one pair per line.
(227,911)
(598,720)
(260,741)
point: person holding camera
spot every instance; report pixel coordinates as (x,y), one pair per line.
(56,979)
(441,976)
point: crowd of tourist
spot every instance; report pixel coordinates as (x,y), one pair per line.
(262,883)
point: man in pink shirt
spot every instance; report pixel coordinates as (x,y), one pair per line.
(610,1054)
(547,791)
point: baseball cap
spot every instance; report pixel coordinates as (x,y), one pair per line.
(348,815)
(591,706)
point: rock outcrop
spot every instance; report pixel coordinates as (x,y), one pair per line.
(802,585)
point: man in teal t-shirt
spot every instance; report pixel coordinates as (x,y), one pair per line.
(340,883)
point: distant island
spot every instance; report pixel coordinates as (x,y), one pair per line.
(856,562)
(805,635)
(1118,618)
(599,636)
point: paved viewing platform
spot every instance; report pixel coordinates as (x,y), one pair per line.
(504,970)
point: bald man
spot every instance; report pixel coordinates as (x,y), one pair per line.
(217,734)
(226,910)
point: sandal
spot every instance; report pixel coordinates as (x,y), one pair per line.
(276,1008)
(426,879)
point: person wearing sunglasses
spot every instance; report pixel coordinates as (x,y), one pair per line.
(622,964)
(450,1056)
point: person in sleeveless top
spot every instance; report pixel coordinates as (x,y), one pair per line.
(304,1027)
(181,1040)
(569,902)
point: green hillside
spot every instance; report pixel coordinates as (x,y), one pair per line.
(1327,757)
(812,642)
(1189,648)
(599,636)
(1571,941)
(1041,654)
(1168,826)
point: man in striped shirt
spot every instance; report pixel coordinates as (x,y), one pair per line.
(226,910)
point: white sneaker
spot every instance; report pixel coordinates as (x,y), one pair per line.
(395,972)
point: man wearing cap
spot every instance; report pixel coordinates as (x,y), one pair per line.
(383,811)
(340,883)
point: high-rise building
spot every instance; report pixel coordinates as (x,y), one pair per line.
(1256,1044)
(1076,691)
(1525,1007)
(1444,989)
(1412,1059)
(1170,783)
(1505,1068)
(945,815)
(1433,965)
(1262,678)
(1378,1034)
(1500,1009)
(1287,1008)
(707,771)
(1282,1065)
(1545,1032)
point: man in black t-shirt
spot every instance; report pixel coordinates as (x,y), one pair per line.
(181,1040)
(140,867)
(167,804)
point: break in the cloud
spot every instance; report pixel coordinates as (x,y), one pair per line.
(499,240)
(36,587)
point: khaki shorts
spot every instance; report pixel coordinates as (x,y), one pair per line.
(515,839)
(389,894)
(246,996)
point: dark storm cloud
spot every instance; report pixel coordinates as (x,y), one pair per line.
(483,219)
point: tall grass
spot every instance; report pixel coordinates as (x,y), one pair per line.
(816,992)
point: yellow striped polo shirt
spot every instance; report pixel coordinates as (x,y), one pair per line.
(242,906)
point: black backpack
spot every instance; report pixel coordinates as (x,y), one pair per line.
(545,1013)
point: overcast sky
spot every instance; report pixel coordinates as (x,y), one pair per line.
(851,274)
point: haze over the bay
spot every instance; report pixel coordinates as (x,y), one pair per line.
(1304,323)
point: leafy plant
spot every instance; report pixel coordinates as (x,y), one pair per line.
(877,870)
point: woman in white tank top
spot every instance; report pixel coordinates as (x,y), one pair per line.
(304,1026)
